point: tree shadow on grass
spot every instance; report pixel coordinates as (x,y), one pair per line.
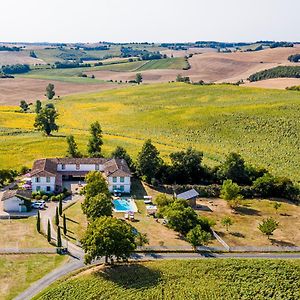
(138,190)
(281,243)
(71,220)
(134,276)
(243,210)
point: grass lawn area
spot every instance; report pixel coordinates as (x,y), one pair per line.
(76,222)
(183,279)
(244,231)
(17,272)
(21,233)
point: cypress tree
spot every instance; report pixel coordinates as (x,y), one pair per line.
(56,217)
(49,232)
(95,141)
(60,207)
(38,222)
(64,224)
(58,237)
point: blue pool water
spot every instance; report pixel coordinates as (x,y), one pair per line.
(124,205)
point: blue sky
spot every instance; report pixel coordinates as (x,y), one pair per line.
(155,20)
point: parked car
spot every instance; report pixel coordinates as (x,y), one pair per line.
(38,204)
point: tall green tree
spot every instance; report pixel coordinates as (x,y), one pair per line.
(95,141)
(181,217)
(139,78)
(268,226)
(230,190)
(48,231)
(38,222)
(45,120)
(186,166)
(24,106)
(108,237)
(64,224)
(198,237)
(95,184)
(56,217)
(72,147)
(38,106)
(234,168)
(50,92)
(148,161)
(97,206)
(59,243)
(121,153)
(60,207)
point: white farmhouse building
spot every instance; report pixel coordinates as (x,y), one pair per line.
(14,200)
(48,174)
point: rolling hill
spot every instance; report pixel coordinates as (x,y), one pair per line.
(263,125)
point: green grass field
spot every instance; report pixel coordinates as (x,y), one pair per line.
(71,75)
(18,272)
(194,279)
(262,125)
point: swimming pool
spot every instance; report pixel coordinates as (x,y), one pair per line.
(124,205)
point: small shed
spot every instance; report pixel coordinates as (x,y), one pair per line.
(14,200)
(190,196)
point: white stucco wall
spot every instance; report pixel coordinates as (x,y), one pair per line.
(12,204)
(82,167)
(43,184)
(126,184)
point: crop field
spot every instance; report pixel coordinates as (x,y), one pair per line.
(12,91)
(52,55)
(262,125)
(18,272)
(22,57)
(166,63)
(194,279)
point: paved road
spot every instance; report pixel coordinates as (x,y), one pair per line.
(49,214)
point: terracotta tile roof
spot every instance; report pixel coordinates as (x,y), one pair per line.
(48,167)
(117,167)
(44,167)
(83,160)
(16,193)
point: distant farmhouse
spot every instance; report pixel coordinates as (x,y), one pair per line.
(48,174)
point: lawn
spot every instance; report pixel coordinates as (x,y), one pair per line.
(156,232)
(195,279)
(17,272)
(76,222)
(21,233)
(244,231)
(262,125)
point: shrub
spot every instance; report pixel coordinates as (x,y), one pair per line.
(45,197)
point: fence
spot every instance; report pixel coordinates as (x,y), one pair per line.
(27,250)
